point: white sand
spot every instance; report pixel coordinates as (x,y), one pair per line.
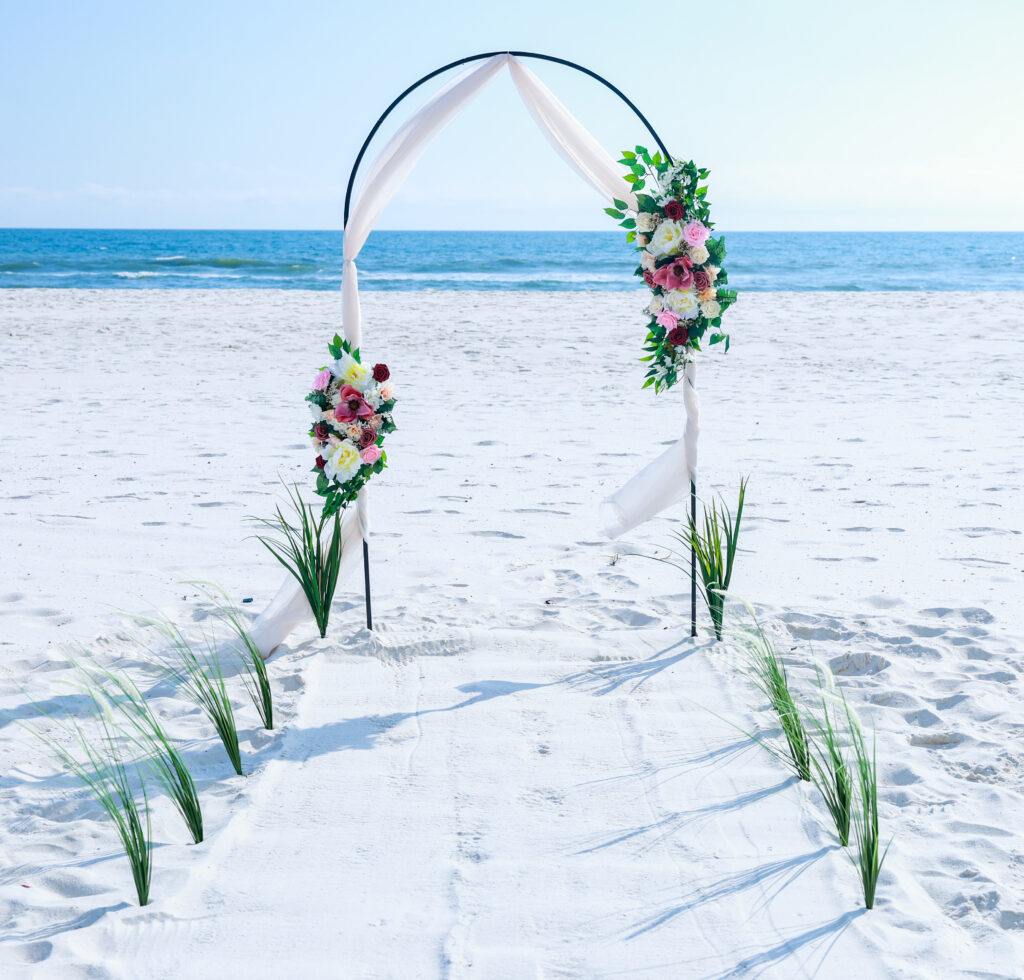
(516,776)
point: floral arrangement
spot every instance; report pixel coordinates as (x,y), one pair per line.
(351,405)
(679,260)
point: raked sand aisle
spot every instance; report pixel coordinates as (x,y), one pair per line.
(518,775)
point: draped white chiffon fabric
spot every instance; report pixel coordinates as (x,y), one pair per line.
(663,481)
(656,486)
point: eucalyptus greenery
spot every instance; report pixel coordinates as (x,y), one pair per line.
(309,554)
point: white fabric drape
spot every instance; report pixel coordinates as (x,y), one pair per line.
(572,142)
(657,485)
(390,169)
(663,481)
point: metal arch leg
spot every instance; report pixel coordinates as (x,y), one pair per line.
(366,581)
(693,564)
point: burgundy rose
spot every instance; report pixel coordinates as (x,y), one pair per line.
(321,431)
(381,372)
(701,280)
(678,336)
(320,462)
(367,437)
(674,211)
(649,278)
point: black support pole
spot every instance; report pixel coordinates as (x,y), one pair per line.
(366,580)
(348,203)
(693,562)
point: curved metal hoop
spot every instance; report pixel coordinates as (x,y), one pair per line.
(480,57)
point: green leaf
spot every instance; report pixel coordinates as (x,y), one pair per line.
(631,178)
(628,223)
(629,154)
(621,205)
(612,213)
(631,237)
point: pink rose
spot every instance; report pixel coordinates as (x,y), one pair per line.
(370,455)
(675,275)
(666,318)
(351,406)
(322,380)
(694,233)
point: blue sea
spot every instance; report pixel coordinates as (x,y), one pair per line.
(549,260)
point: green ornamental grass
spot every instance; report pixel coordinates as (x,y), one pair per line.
(200,677)
(257,682)
(831,773)
(769,673)
(870,854)
(101,768)
(715,547)
(310,555)
(162,757)
(715,562)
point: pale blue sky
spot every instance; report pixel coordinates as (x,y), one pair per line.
(904,114)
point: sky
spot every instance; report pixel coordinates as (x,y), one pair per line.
(902,115)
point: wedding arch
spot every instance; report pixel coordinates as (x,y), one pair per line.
(659,484)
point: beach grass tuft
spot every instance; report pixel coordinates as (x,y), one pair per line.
(162,757)
(302,549)
(831,772)
(100,766)
(769,673)
(256,679)
(870,855)
(200,677)
(714,544)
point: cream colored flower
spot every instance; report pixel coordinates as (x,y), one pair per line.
(645,221)
(350,372)
(655,306)
(353,431)
(387,392)
(648,262)
(372,396)
(712,270)
(683,302)
(710,309)
(642,240)
(343,463)
(699,254)
(668,239)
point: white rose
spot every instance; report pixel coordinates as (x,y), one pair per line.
(645,221)
(655,306)
(343,463)
(668,238)
(713,270)
(683,302)
(710,309)
(315,410)
(372,397)
(648,262)
(699,254)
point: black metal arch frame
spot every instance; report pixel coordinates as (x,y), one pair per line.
(348,202)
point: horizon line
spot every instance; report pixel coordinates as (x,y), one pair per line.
(536,231)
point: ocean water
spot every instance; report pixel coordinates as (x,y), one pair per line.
(411,260)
